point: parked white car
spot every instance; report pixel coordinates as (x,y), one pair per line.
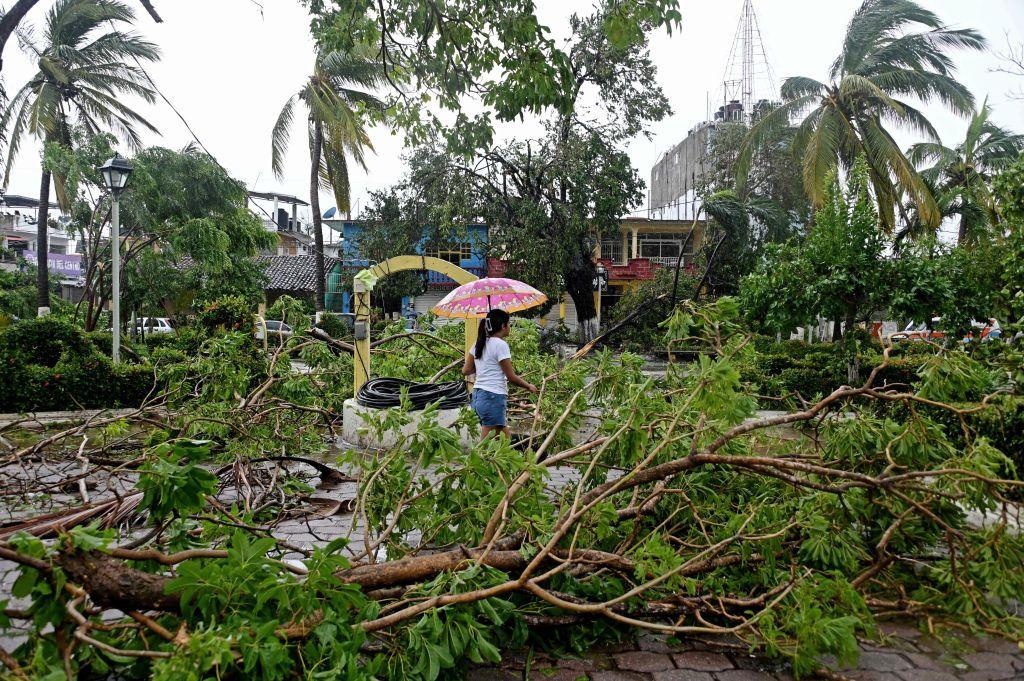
(275,329)
(148,325)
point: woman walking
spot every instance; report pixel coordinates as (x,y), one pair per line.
(491,361)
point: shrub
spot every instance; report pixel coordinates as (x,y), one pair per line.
(42,341)
(288,309)
(188,339)
(162,356)
(102,341)
(335,326)
(227,313)
(643,333)
(49,365)
(792,366)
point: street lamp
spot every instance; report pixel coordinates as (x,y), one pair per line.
(115,175)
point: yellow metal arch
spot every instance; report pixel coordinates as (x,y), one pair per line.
(361,298)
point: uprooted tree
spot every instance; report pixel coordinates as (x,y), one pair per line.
(678,509)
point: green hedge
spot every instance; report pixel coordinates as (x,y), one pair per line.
(49,365)
(780,369)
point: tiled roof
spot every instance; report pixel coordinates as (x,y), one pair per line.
(293,272)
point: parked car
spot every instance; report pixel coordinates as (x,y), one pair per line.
(148,325)
(919,331)
(275,329)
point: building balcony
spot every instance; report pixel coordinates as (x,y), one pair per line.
(641,269)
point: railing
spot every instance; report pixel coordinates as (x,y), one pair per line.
(438,279)
(671,262)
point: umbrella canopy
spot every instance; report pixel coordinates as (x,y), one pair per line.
(477,298)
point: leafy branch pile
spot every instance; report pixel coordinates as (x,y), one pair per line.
(680,510)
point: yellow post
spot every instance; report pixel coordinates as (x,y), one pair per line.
(361,357)
(472,328)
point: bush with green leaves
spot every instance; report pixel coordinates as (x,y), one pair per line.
(227,313)
(335,326)
(50,365)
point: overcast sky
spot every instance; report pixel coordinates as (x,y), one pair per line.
(229,66)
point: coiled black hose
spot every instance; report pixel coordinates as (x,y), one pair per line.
(382,393)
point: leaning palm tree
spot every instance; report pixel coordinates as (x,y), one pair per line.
(82,74)
(962,174)
(882,62)
(336,127)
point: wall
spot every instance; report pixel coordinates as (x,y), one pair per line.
(679,170)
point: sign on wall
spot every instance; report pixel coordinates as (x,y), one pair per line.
(68,265)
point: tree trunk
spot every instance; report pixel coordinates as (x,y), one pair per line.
(852,362)
(42,246)
(961,236)
(579,284)
(837,330)
(314,206)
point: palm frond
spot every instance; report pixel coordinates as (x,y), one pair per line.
(884,157)
(820,156)
(764,129)
(281,135)
(17,110)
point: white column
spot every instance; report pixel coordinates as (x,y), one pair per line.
(115,266)
(635,253)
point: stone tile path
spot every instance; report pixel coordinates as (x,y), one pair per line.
(904,655)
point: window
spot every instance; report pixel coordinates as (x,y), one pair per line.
(664,248)
(453,253)
(611,248)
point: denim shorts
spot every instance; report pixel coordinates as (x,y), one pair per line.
(489,407)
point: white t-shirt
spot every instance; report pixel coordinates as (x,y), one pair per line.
(489,375)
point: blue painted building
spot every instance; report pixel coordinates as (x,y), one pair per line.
(469,254)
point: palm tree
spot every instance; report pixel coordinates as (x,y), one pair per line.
(882,61)
(336,129)
(82,73)
(961,175)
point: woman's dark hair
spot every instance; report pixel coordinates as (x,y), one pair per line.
(494,322)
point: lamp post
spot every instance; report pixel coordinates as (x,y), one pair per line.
(115,175)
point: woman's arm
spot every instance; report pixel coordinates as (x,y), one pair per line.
(469,366)
(514,378)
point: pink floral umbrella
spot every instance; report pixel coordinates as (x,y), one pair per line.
(477,298)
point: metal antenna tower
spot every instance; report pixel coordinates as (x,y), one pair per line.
(748,76)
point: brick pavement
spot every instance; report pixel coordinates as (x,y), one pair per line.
(903,654)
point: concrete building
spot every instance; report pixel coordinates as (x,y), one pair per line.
(680,171)
(19,220)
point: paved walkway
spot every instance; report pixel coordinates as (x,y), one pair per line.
(905,655)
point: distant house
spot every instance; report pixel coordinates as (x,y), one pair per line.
(469,254)
(294,237)
(295,275)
